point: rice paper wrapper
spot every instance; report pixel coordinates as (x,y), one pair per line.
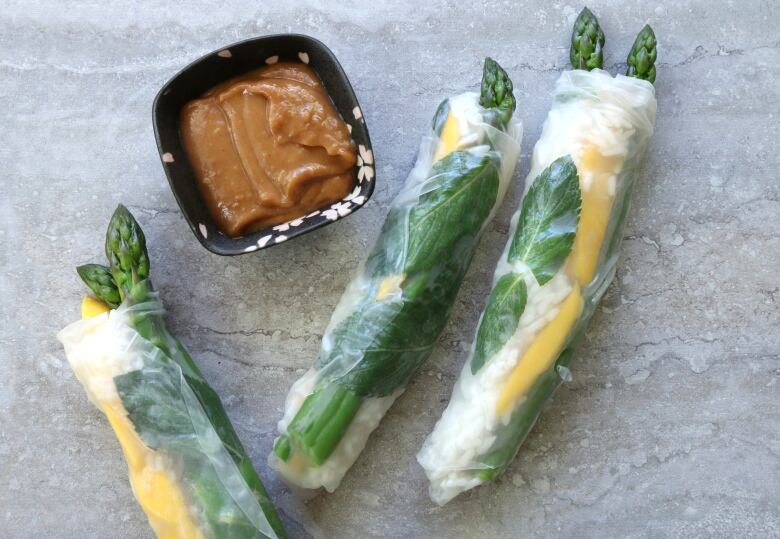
(187,468)
(395,307)
(605,124)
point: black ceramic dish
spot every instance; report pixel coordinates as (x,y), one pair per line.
(229,62)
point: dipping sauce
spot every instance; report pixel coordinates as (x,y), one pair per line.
(267,147)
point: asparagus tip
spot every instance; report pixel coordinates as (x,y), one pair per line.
(100,281)
(121,210)
(496,91)
(126,250)
(641,59)
(587,42)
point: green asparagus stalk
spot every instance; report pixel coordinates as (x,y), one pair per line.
(587,42)
(164,399)
(641,59)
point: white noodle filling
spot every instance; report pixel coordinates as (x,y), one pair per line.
(331,472)
(467,429)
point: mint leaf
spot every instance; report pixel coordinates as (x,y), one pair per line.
(449,216)
(154,398)
(446,219)
(548,220)
(380,345)
(154,404)
(499,322)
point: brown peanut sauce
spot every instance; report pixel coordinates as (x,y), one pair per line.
(267,147)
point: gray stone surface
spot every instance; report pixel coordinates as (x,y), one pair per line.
(671,426)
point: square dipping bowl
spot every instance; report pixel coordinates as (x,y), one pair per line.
(232,61)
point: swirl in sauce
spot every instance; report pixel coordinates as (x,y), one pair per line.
(267,147)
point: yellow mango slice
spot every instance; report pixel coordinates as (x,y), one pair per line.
(596,172)
(449,137)
(389,286)
(542,353)
(92,307)
(158,495)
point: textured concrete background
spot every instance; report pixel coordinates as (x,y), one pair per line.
(671,426)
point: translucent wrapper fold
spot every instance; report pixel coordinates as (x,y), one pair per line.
(187,467)
(394,309)
(559,260)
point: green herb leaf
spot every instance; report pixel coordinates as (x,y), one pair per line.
(452,212)
(548,220)
(378,347)
(499,322)
(155,405)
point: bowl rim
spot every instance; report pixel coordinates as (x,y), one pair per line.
(202,238)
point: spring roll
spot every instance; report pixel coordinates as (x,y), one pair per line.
(558,261)
(393,311)
(188,469)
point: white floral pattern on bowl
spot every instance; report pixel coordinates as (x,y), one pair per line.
(356,197)
(339,209)
(365,160)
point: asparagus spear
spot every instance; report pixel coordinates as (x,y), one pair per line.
(126,253)
(171,406)
(587,42)
(641,59)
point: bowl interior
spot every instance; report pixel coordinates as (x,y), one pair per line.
(231,61)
